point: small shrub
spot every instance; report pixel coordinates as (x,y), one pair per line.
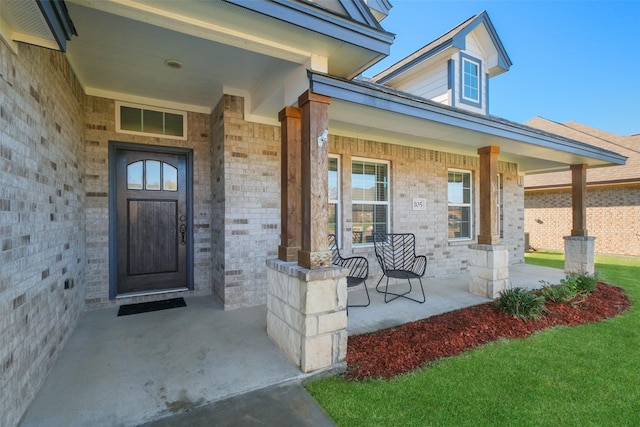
(558,293)
(520,303)
(587,282)
(571,288)
(581,283)
(570,281)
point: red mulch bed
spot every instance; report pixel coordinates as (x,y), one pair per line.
(394,351)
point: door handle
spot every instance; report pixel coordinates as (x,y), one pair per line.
(183,233)
(183,230)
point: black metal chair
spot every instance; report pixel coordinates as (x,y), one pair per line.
(358,267)
(396,254)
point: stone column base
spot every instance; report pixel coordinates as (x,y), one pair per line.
(306,314)
(488,269)
(579,254)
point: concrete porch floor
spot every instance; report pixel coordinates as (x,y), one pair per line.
(130,370)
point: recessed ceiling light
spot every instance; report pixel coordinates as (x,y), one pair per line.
(173,63)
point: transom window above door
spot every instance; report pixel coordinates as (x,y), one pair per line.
(141,120)
(152,175)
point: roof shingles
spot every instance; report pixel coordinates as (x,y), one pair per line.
(628,146)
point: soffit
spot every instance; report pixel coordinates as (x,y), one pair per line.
(122,46)
(428,134)
(22,21)
(373,112)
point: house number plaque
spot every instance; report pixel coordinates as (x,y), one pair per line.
(419,204)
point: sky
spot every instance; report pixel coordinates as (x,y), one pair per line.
(573,60)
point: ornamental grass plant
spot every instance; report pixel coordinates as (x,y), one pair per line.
(521,303)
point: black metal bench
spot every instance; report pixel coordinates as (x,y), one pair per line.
(396,254)
(358,267)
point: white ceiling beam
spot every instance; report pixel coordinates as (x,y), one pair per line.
(143,100)
(35,40)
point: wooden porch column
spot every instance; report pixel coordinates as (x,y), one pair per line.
(579,199)
(291,184)
(315,162)
(489,234)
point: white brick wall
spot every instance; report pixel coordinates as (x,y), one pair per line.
(250,173)
(42,223)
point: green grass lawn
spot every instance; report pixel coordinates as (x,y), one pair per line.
(586,375)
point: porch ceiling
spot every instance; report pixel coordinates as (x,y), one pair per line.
(121,58)
(370,111)
(411,131)
(122,46)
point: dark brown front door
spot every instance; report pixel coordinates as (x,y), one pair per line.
(152,224)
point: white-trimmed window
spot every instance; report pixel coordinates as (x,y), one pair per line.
(142,120)
(370,199)
(470,83)
(460,205)
(334,196)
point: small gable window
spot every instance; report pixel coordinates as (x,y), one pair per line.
(470,71)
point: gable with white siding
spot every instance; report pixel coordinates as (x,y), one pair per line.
(434,71)
(429,83)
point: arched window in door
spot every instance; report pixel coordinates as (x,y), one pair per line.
(152,175)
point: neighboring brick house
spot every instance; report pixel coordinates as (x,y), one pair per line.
(613,195)
(188,148)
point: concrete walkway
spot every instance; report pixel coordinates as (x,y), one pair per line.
(213,367)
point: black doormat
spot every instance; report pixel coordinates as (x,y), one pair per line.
(145,307)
